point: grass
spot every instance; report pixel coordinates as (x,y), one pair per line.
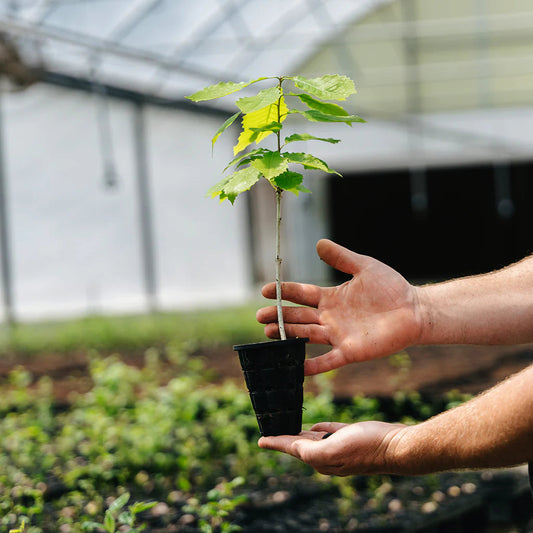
(133,332)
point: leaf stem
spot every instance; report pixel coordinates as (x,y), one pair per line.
(281,323)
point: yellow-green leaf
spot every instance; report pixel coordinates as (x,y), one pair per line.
(240,181)
(324,107)
(306,137)
(272,164)
(224,127)
(260,119)
(314,115)
(220,89)
(262,99)
(309,161)
(328,87)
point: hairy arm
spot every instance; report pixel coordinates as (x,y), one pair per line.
(377,312)
(493,308)
(494,429)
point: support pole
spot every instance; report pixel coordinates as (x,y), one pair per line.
(145,208)
(5,249)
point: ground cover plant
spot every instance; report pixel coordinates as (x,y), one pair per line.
(131,332)
(133,454)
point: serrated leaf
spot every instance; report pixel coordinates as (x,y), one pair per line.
(259,119)
(238,182)
(328,87)
(120,502)
(244,158)
(263,98)
(224,127)
(219,90)
(273,127)
(309,161)
(216,189)
(288,180)
(306,137)
(324,107)
(272,164)
(314,115)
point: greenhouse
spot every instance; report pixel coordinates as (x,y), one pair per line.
(105,167)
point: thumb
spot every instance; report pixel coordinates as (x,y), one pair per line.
(341,258)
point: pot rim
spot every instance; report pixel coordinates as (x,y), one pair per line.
(258,345)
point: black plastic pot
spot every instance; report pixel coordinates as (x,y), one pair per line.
(274,374)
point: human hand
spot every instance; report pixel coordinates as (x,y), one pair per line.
(362,448)
(374,314)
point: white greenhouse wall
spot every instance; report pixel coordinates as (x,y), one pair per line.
(75,243)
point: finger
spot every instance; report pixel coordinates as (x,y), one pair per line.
(294,315)
(315,333)
(285,443)
(328,427)
(341,258)
(298,293)
(326,362)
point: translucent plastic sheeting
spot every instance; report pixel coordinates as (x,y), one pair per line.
(171,47)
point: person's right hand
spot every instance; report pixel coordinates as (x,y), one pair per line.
(374,314)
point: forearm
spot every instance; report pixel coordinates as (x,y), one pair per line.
(494,308)
(492,430)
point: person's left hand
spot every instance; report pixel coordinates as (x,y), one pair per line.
(362,448)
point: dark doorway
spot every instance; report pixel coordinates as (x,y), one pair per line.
(461,232)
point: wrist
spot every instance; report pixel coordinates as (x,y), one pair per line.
(412,451)
(424,316)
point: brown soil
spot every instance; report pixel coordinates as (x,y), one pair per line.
(433,370)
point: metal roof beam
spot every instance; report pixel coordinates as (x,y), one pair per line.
(16,27)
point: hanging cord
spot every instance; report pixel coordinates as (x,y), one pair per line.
(103,118)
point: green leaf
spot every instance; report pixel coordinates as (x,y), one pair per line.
(245,158)
(272,164)
(219,90)
(306,137)
(139,507)
(291,181)
(126,518)
(90,525)
(316,116)
(288,180)
(324,107)
(216,189)
(273,127)
(328,87)
(240,181)
(309,161)
(119,503)
(262,99)
(109,522)
(224,127)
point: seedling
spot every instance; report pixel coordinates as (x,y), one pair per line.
(118,515)
(263,116)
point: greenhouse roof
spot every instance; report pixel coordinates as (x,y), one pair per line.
(168,48)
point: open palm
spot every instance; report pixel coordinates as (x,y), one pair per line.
(372,315)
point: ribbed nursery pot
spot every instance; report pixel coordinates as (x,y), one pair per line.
(274,374)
